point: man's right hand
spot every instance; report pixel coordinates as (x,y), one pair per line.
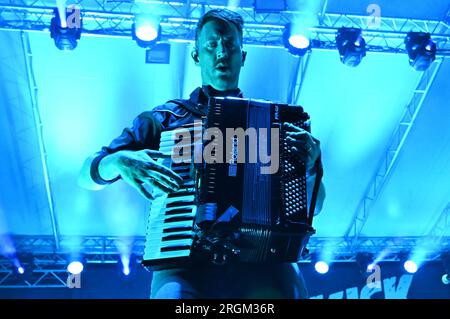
(139,168)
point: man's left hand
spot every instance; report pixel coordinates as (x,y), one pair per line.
(303,144)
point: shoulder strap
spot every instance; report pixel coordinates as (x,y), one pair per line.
(189,105)
(319,175)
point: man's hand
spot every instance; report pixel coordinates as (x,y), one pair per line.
(139,168)
(303,144)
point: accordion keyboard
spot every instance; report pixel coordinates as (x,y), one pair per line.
(170,225)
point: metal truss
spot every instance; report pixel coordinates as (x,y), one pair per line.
(297,79)
(391,154)
(26,127)
(39,132)
(442,225)
(46,267)
(114,18)
(439,229)
(102,249)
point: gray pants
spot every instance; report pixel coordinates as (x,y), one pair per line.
(240,281)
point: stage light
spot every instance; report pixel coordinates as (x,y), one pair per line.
(351,46)
(299,41)
(296,39)
(75,267)
(66,32)
(321,267)
(125,260)
(446,265)
(410,266)
(421,50)
(146,30)
(23,265)
(371,267)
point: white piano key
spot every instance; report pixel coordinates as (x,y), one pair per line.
(154,255)
(184,223)
(167,244)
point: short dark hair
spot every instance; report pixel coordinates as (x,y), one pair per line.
(225,15)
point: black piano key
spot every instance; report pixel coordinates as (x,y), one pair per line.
(179,211)
(177,229)
(178,219)
(178,236)
(172,248)
(179,203)
(181,193)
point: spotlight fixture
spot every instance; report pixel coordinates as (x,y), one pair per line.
(75,267)
(127,263)
(421,50)
(65,32)
(23,265)
(321,267)
(351,46)
(446,265)
(20,270)
(410,266)
(146,30)
(296,40)
(445,279)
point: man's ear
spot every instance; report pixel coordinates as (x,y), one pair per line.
(194,55)
(244,56)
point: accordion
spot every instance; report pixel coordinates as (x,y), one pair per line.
(237,203)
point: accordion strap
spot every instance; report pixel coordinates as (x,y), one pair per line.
(190,106)
(319,174)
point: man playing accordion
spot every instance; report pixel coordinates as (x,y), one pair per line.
(135,158)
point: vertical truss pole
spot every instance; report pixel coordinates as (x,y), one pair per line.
(441,226)
(297,79)
(391,154)
(38,122)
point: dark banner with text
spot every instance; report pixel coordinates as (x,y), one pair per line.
(386,281)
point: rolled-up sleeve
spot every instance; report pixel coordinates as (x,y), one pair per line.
(143,134)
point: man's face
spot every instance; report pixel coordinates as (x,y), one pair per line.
(220,55)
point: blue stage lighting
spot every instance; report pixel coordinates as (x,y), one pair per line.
(75,267)
(295,39)
(410,266)
(66,34)
(20,270)
(421,50)
(371,267)
(351,46)
(299,41)
(125,260)
(321,267)
(146,30)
